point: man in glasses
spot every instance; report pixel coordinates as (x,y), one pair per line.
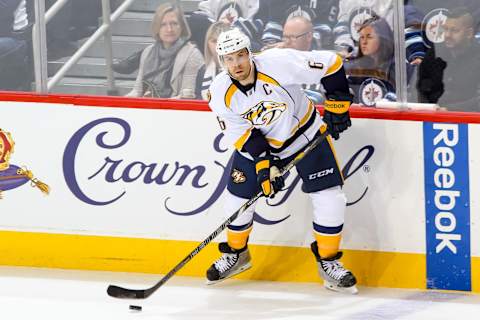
(322,14)
(298,34)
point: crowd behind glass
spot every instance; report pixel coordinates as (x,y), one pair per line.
(441,41)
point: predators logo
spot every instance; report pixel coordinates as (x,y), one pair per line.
(238,176)
(264,113)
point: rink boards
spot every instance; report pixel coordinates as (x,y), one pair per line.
(137,189)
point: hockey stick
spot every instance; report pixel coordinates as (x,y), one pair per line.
(120,292)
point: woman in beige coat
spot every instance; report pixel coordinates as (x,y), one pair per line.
(168,67)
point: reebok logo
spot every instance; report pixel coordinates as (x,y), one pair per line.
(447,206)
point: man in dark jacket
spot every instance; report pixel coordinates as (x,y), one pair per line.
(450,73)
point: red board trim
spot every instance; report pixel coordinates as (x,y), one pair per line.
(196,105)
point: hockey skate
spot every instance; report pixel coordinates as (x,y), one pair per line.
(335,276)
(231,262)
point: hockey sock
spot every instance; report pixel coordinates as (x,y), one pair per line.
(328,244)
(238,239)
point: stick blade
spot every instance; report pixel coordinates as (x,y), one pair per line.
(124,293)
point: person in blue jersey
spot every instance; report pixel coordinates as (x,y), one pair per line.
(371,74)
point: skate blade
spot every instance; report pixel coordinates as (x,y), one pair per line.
(333,287)
(243,268)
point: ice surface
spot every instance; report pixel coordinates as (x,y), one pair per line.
(30,293)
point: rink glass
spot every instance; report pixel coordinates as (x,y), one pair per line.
(436,82)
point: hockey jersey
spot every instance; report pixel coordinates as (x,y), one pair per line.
(276,104)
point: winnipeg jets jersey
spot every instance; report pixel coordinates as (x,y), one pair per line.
(276,104)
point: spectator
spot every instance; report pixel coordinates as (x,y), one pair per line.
(233,12)
(168,67)
(353,13)
(371,74)
(14,46)
(322,14)
(432,8)
(456,62)
(212,65)
(298,34)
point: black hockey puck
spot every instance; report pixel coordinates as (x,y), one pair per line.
(135,308)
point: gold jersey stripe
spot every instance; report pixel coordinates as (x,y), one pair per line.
(263,164)
(241,141)
(303,121)
(229,94)
(305,118)
(274,142)
(265,78)
(329,140)
(335,66)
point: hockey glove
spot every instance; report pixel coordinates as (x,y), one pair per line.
(268,176)
(336,114)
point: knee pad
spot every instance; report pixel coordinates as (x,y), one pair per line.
(329,207)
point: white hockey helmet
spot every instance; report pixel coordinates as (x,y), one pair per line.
(231,41)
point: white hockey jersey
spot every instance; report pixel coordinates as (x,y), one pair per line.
(276,105)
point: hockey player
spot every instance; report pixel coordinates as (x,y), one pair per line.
(269,120)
